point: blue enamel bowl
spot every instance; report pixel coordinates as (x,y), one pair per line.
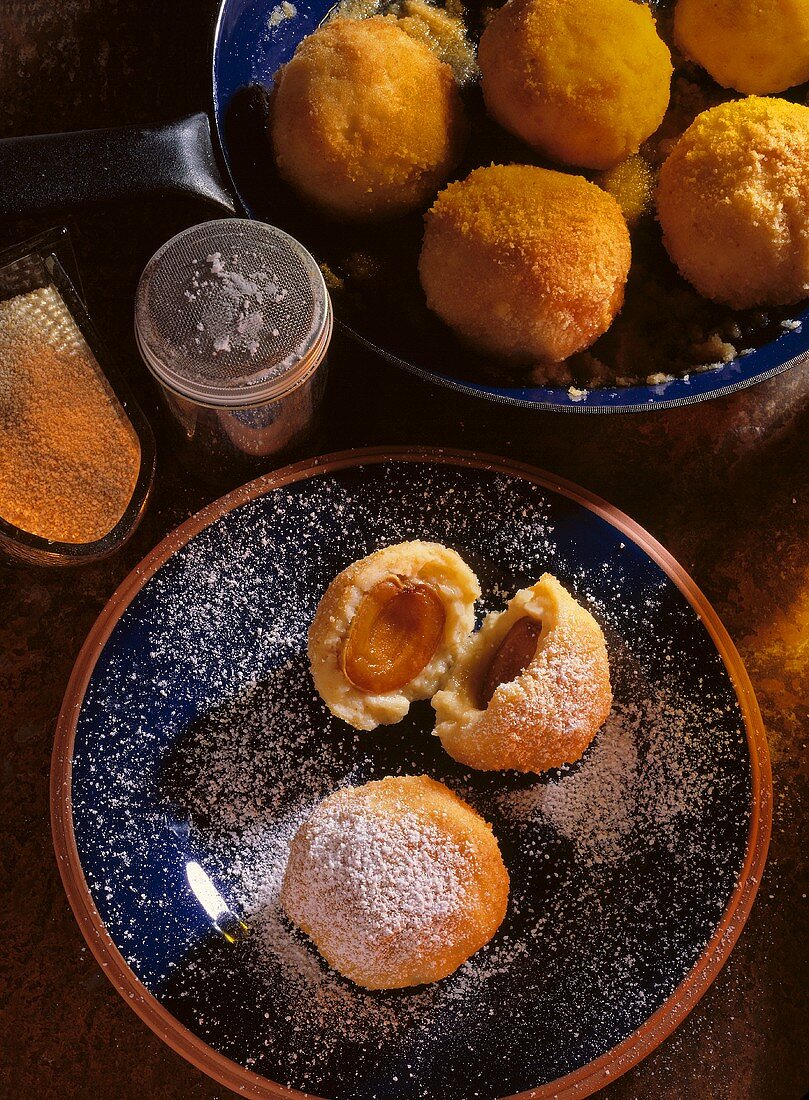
(191,744)
(251,42)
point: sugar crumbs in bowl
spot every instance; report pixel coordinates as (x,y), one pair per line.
(70,458)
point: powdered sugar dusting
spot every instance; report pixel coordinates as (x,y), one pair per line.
(280,13)
(202,738)
(371,877)
(231,304)
(630,789)
(591,807)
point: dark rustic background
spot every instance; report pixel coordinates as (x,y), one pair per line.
(722,485)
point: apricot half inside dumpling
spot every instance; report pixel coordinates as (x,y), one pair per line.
(531,689)
(387,630)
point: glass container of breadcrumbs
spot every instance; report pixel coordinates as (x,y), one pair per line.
(233,319)
(77,455)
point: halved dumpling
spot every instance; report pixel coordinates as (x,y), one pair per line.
(531,689)
(387,630)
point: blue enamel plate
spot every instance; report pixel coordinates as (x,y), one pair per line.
(192,744)
(375,285)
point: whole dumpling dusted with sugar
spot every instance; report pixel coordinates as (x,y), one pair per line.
(366,122)
(525,263)
(397,882)
(531,689)
(388,629)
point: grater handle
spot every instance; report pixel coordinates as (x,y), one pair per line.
(61,171)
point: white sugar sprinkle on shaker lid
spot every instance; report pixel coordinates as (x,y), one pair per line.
(231,312)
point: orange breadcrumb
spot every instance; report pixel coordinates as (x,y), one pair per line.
(443,33)
(69,458)
(733,201)
(631,184)
(525,262)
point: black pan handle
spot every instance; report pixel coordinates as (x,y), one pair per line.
(61,171)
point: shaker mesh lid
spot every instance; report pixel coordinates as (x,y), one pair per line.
(230,311)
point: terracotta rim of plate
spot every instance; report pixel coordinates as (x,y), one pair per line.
(582,1082)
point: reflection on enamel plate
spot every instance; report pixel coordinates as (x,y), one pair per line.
(226,921)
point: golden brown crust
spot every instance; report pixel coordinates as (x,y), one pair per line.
(428,562)
(524,262)
(584,82)
(423,888)
(755,46)
(733,201)
(551,712)
(366,122)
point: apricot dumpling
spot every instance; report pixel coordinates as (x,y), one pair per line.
(366,122)
(755,46)
(583,81)
(733,202)
(397,882)
(525,263)
(388,629)
(531,689)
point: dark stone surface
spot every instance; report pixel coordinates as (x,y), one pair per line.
(722,485)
